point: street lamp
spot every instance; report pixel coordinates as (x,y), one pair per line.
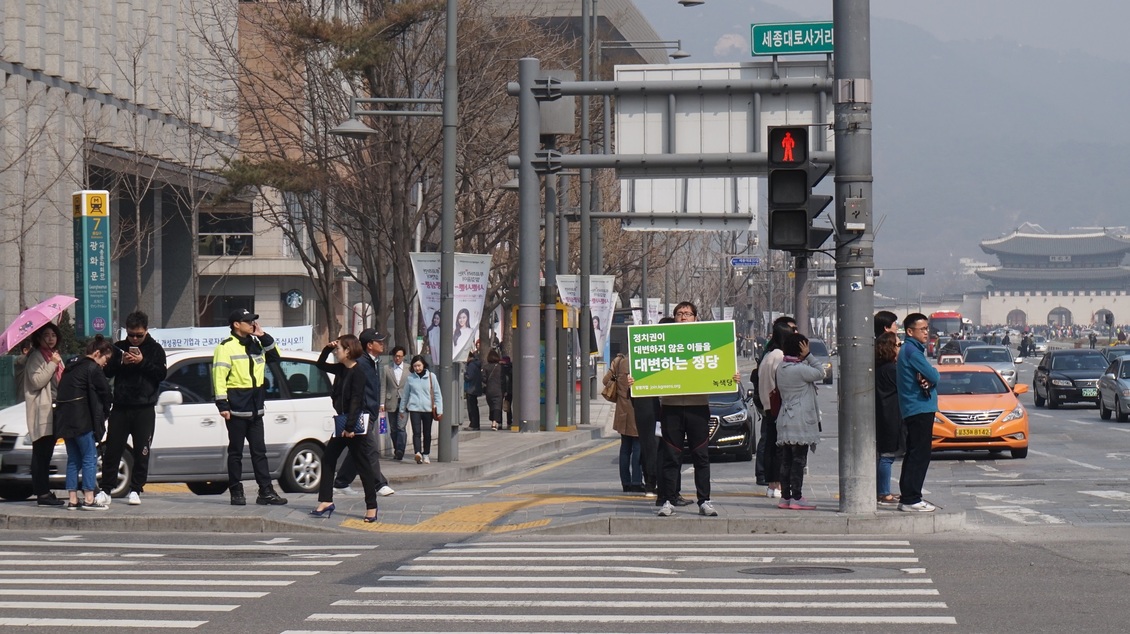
(691,3)
(352,128)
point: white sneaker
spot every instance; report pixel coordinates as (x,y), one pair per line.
(772,493)
(427,460)
(666,510)
(921,506)
(386,490)
(134,499)
(102,498)
(419,457)
(707,509)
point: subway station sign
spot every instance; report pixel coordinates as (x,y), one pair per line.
(797,38)
(91,211)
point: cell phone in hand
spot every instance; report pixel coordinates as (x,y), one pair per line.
(134,350)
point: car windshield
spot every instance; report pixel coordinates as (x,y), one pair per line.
(1125,371)
(1079,362)
(725,399)
(817,348)
(987,355)
(972,382)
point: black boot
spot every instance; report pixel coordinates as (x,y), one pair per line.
(268,496)
(237,498)
(48,499)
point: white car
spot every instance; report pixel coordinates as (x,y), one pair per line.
(190,439)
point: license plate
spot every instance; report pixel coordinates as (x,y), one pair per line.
(975,432)
(1090,392)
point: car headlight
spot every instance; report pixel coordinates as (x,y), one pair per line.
(736,417)
(1126,393)
(1062,382)
(1017,412)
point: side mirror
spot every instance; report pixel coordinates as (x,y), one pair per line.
(1109,376)
(1018,360)
(167,398)
(1020,389)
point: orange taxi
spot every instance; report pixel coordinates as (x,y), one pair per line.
(977,410)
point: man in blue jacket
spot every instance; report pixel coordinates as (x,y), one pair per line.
(918,401)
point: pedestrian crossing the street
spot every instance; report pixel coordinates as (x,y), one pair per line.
(758,583)
(49,584)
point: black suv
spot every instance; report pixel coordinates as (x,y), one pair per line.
(732,424)
(1068,376)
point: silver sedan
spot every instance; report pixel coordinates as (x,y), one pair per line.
(1114,390)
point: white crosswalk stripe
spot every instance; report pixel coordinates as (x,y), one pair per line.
(702,585)
(52,586)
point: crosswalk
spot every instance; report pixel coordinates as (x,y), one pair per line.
(50,585)
(647,585)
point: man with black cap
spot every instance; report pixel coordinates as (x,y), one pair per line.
(239,367)
(373,343)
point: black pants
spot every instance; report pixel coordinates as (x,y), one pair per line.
(421,431)
(767,466)
(793,459)
(473,410)
(646,415)
(125,423)
(250,430)
(689,423)
(41,451)
(359,452)
(919,433)
(348,471)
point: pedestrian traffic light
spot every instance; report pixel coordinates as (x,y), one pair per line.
(792,205)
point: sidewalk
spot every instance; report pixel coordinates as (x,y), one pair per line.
(485,507)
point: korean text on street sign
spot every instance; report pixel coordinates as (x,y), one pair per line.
(93,284)
(797,38)
(744,261)
(688,358)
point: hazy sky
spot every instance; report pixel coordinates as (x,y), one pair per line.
(1097,27)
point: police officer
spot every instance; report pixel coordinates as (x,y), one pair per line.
(239,366)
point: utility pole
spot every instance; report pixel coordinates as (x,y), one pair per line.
(854,254)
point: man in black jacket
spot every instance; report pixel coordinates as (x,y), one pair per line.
(137,367)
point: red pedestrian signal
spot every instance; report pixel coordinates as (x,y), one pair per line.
(788,146)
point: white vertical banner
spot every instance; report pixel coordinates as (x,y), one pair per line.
(426,269)
(653,313)
(728,313)
(472,272)
(569,286)
(637,314)
(714,314)
(602,304)
(470,292)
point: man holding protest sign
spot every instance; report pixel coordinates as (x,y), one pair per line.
(683,366)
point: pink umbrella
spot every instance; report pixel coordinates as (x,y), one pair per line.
(32,319)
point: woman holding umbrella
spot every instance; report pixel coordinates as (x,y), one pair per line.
(42,371)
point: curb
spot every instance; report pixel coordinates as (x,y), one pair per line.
(692,525)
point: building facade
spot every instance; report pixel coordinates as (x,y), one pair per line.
(1070,279)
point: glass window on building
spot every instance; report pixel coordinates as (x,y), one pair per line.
(225,233)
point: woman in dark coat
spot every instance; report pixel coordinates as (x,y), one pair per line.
(492,387)
(348,398)
(81,409)
(890,436)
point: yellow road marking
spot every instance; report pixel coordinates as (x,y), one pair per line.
(478,518)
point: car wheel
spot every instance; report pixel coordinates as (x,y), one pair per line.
(1039,399)
(1018,454)
(15,492)
(125,473)
(302,471)
(1052,404)
(1104,413)
(1121,415)
(207,488)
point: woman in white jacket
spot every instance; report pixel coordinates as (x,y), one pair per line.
(798,424)
(421,396)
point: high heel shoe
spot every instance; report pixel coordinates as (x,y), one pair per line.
(326,512)
(369,520)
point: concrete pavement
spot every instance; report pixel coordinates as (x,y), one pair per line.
(460,498)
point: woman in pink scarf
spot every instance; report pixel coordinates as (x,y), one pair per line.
(42,372)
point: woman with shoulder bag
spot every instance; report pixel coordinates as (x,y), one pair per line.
(349,400)
(624,423)
(798,423)
(422,403)
(43,368)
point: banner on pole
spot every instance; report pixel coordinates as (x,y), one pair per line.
(470,292)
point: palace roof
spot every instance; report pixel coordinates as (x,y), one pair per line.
(1017,243)
(1082,275)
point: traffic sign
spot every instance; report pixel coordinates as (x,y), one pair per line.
(745,261)
(795,38)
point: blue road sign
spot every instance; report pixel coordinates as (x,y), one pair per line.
(744,261)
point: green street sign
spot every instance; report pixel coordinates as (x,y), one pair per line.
(797,38)
(687,358)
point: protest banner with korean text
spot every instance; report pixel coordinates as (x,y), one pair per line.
(684,358)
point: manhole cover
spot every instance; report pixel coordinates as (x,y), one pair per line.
(781,571)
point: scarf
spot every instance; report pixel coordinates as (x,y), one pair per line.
(47,354)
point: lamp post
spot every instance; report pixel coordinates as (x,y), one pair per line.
(353,128)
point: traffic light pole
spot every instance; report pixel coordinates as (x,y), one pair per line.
(854,255)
